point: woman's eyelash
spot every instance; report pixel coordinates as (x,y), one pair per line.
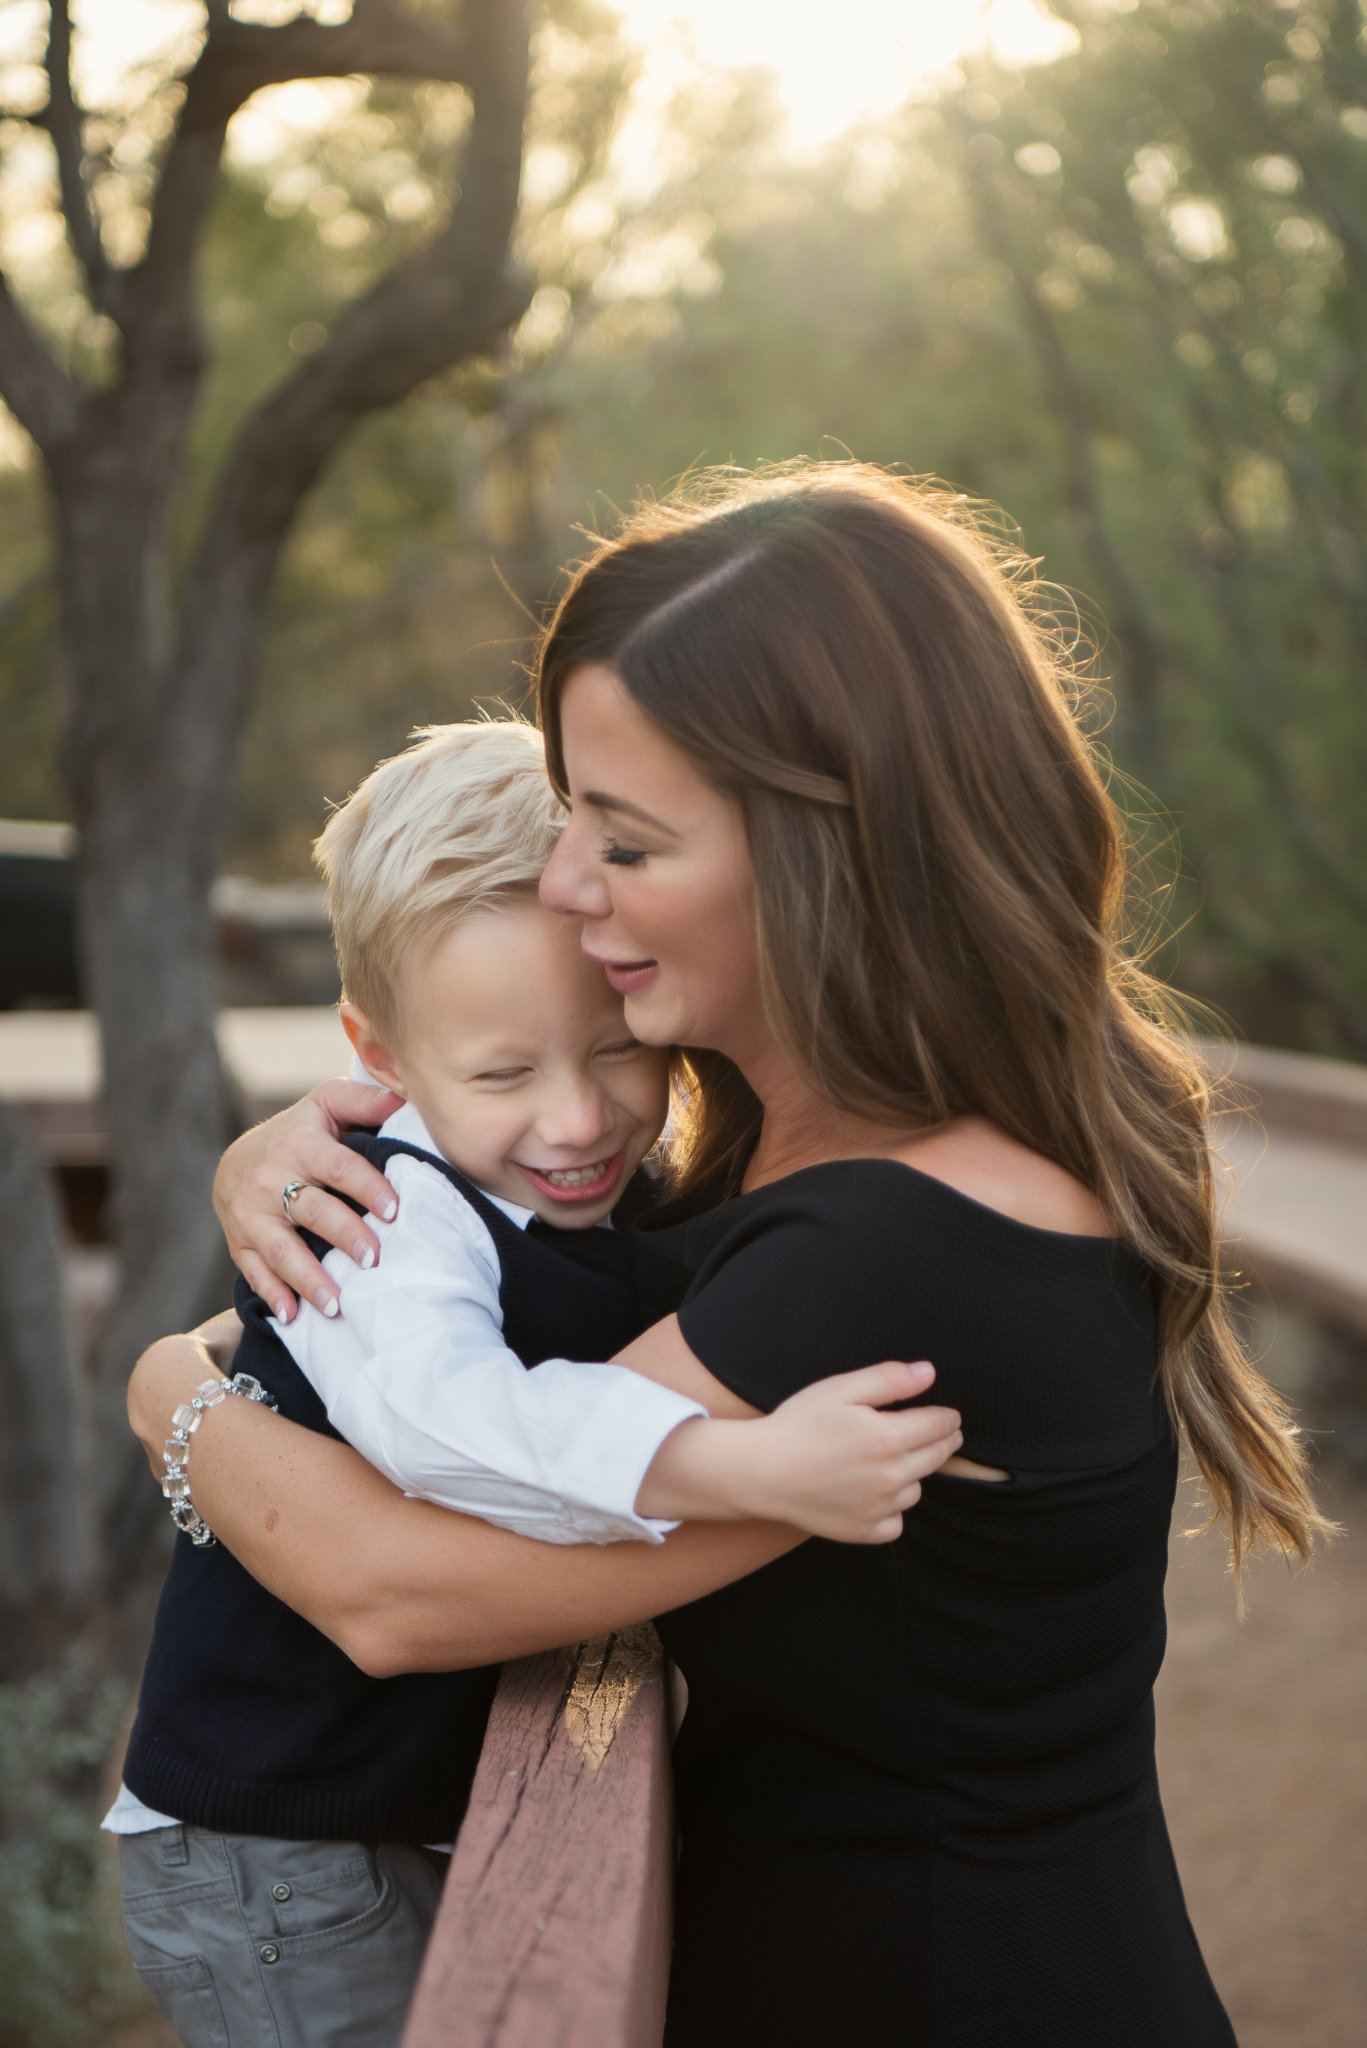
(621,856)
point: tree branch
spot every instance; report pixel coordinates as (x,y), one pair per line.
(34,386)
(380,39)
(238,59)
(64,122)
(451,299)
(448,299)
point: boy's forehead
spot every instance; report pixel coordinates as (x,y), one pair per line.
(511,971)
(512,942)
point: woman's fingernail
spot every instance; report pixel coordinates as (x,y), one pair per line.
(326,1302)
(390,1212)
(363,1255)
(922,1371)
(282,1311)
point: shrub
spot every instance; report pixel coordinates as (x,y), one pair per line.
(60,1966)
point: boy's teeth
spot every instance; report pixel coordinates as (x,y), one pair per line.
(577,1176)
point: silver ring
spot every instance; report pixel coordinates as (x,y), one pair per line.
(288,1193)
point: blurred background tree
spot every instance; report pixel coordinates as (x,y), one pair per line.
(163,563)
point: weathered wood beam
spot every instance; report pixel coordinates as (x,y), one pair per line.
(554,1928)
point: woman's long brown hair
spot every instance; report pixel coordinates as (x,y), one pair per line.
(941,877)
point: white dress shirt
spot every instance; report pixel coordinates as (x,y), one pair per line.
(415,1374)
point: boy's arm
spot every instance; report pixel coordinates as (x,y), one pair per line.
(830,1460)
(416,1375)
(397,1584)
(402,1587)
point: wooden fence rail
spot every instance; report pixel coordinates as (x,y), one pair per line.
(554,1927)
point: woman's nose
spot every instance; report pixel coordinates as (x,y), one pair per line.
(572,882)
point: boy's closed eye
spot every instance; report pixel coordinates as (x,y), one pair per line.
(628,1049)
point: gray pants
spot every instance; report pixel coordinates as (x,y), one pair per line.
(248,1942)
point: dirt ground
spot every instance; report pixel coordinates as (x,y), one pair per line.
(1262,1748)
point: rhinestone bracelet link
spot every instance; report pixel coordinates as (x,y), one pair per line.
(175,1452)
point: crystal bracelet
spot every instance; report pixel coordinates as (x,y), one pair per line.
(176,1449)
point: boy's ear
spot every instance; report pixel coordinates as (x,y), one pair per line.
(374,1056)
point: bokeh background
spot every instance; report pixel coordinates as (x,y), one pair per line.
(1102,266)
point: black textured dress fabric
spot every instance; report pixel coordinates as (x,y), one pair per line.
(916,1783)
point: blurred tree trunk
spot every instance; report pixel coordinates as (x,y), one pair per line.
(158,682)
(46,1548)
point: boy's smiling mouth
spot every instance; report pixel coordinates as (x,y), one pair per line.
(576,1183)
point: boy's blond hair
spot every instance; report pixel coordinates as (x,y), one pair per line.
(456,823)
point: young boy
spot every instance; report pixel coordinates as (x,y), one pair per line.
(282,1812)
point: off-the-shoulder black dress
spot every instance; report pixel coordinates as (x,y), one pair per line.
(916,1783)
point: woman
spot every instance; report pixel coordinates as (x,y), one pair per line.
(832,827)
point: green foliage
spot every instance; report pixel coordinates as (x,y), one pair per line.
(58,1958)
(1178,219)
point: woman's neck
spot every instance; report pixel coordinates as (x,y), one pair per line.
(801,1128)
(967,1153)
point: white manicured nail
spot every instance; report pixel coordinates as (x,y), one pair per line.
(391,1212)
(363,1255)
(326,1302)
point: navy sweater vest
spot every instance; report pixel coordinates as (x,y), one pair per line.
(252,1722)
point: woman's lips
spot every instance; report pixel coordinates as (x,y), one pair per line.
(630,977)
(608,1173)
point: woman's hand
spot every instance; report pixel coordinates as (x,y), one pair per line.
(830,1460)
(302,1144)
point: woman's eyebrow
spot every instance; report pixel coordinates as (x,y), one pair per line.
(599,800)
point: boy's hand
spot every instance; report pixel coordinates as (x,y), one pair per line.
(829,1461)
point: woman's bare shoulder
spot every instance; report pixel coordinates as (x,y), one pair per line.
(972,1155)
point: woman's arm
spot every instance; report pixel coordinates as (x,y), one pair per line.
(398,1584)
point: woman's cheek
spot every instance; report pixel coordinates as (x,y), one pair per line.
(679,920)
(634,910)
